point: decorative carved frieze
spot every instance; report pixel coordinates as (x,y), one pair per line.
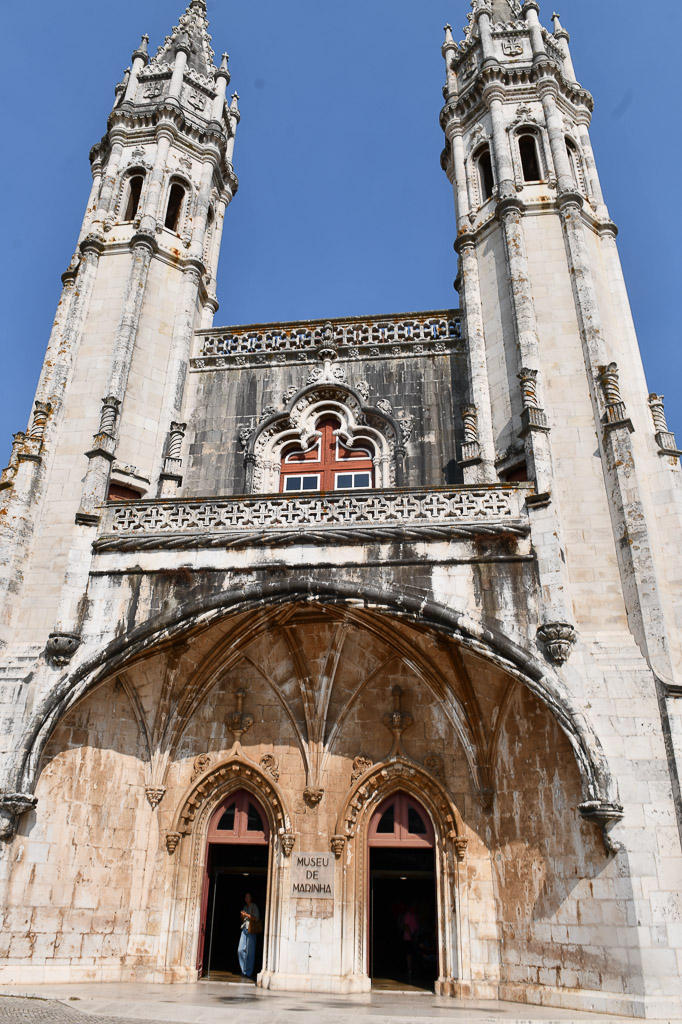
(346,339)
(558,638)
(466,510)
(61,647)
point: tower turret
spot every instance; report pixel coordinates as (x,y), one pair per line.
(109,402)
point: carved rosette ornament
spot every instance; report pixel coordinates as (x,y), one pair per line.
(155,795)
(434,764)
(172,841)
(312,795)
(558,638)
(338,845)
(12,806)
(287,839)
(61,647)
(269,764)
(361,764)
(201,764)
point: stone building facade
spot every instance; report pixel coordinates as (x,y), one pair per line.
(339,607)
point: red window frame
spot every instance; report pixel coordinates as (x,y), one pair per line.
(241,832)
(401,835)
(326,458)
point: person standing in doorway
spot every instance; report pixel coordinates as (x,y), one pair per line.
(250,928)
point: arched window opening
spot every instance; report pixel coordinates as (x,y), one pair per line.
(327,465)
(529,158)
(401,820)
(134,193)
(574,161)
(240,819)
(485,175)
(173,210)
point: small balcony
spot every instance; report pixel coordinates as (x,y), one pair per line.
(396,514)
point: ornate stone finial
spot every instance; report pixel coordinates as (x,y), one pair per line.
(155,795)
(61,647)
(201,764)
(461,843)
(238,722)
(12,806)
(327,350)
(532,416)
(397,721)
(558,638)
(667,445)
(269,764)
(559,31)
(41,411)
(338,845)
(287,840)
(615,406)
(312,795)
(361,764)
(234,105)
(471,449)
(172,840)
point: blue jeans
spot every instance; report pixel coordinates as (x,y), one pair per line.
(247,952)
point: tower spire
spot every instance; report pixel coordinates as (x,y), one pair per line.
(190,36)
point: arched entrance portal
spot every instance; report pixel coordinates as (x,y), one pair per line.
(236,863)
(403,918)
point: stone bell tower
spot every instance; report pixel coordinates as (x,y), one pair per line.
(108,416)
(557,389)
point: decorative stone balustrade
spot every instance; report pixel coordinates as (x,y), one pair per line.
(432,333)
(359,517)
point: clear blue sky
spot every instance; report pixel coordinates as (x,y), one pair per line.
(342,207)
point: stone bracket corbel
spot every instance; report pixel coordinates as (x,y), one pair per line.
(605,815)
(12,806)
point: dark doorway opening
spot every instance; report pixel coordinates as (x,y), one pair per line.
(236,863)
(233,871)
(402,895)
(403,917)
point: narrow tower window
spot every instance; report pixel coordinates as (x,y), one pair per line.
(574,161)
(529,158)
(134,193)
(485,175)
(175,201)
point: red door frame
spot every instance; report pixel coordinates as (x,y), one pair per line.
(399,837)
(239,835)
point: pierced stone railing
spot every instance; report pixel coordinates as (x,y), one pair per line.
(342,515)
(408,333)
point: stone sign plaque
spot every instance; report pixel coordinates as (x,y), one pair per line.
(312,875)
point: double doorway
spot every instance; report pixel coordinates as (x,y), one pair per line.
(236,864)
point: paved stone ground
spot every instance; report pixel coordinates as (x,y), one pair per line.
(16,1010)
(220,1003)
